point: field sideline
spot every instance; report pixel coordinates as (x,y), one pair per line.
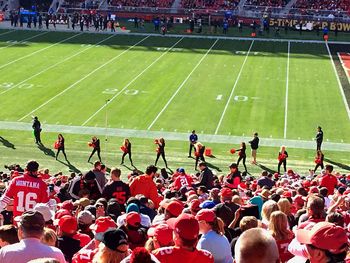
(173,85)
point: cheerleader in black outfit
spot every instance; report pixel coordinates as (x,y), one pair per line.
(160,151)
(282,159)
(60,146)
(95,144)
(319,160)
(199,150)
(242,155)
(126,147)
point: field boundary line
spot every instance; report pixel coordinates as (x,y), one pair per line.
(10,31)
(54,65)
(192,36)
(24,40)
(287,90)
(172,136)
(132,81)
(83,78)
(182,84)
(38,51)
(338,80)
(233,89)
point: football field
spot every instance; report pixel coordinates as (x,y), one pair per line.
(144,85)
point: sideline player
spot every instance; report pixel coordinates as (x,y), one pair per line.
(26,191)
(254,144)
(319,138)
(36,129)
(193,140)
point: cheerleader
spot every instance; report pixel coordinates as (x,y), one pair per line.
(160,151)
(59,145)
(282,159)
(95,144)
(319,160)
(242,155)
(126,148)
(199,153)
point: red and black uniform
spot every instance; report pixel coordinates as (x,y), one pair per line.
(282,159)
(118,190)
(242,156)
(161,152)
(199,153)
(95,144)
(26,191)
(127,151)
(60,147)
(319,161)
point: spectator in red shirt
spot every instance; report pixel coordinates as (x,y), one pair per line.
(279,229)
(143,184)
(182,179)
(186,231)
(329,180)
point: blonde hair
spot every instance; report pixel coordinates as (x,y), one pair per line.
(106,255)
(237,200)
(284,206)
(218,226)
(49,237)
(267,209)
(278,226)
(248,222)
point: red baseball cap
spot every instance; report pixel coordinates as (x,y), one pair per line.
(194,205)
(299,200)
(290,171)
(133,219)
(163,233)
(226,192)
(287,194)
(206,215)
(62,212)
(174,207)
(68,205)
(185,225)
(324,235)
(313,190)
(101,225)
(306,183)
(67,224)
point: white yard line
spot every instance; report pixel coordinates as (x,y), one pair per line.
(182,84)
(233,89)
(80,80)
(56,64)
(286,103)
(172,136)
(40,50)
(24,40)
(338,80)
(10,31)
(127,85)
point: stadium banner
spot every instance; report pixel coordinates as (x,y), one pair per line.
(281,22)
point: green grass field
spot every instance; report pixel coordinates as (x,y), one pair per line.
(146,86)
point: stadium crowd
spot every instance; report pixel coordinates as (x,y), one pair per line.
(160,217)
